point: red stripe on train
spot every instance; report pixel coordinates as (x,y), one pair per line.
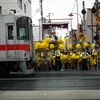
(15,47)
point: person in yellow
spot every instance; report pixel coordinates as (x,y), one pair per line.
(94,60)
(84,55)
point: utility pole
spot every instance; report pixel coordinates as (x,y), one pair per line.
(77,17)
(84,18)
(41,10)
(97,26)
(83,12)
(49,14)
(41,16)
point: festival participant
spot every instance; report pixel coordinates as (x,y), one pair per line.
(66,63)
(57,59)
(36,55)
(48,58)
(84,55)
(94,60)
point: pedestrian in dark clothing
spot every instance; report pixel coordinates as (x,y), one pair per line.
(57,60)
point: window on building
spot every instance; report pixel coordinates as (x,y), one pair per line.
(19,3)
(24,8)
(0,10)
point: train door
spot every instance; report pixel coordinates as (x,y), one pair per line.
(10,41)
(31,40)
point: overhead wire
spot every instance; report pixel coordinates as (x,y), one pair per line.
(73,5)
(36,12)
(91,1)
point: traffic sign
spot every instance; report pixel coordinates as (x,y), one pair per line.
(97,19)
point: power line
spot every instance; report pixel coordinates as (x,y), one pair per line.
(73,5)
(91,1)
(36,12)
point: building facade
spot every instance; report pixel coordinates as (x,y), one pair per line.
(91,28)
(15,6)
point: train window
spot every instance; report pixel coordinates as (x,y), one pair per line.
(10,32)
(23,28)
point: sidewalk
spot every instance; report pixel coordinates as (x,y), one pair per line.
(51,95)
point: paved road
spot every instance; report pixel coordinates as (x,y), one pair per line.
(51,86)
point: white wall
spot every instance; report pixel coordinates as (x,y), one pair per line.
(7,5)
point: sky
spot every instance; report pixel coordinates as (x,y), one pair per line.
(60,9)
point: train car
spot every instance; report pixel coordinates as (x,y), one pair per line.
(16,43)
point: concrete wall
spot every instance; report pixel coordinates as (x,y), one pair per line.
(8,5)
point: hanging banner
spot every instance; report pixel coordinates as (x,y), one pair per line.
(54,24)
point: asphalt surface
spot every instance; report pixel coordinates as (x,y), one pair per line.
(51,86)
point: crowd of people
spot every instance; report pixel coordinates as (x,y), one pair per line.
(54,53)
(59,59)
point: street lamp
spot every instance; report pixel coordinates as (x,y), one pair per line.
(72,14)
